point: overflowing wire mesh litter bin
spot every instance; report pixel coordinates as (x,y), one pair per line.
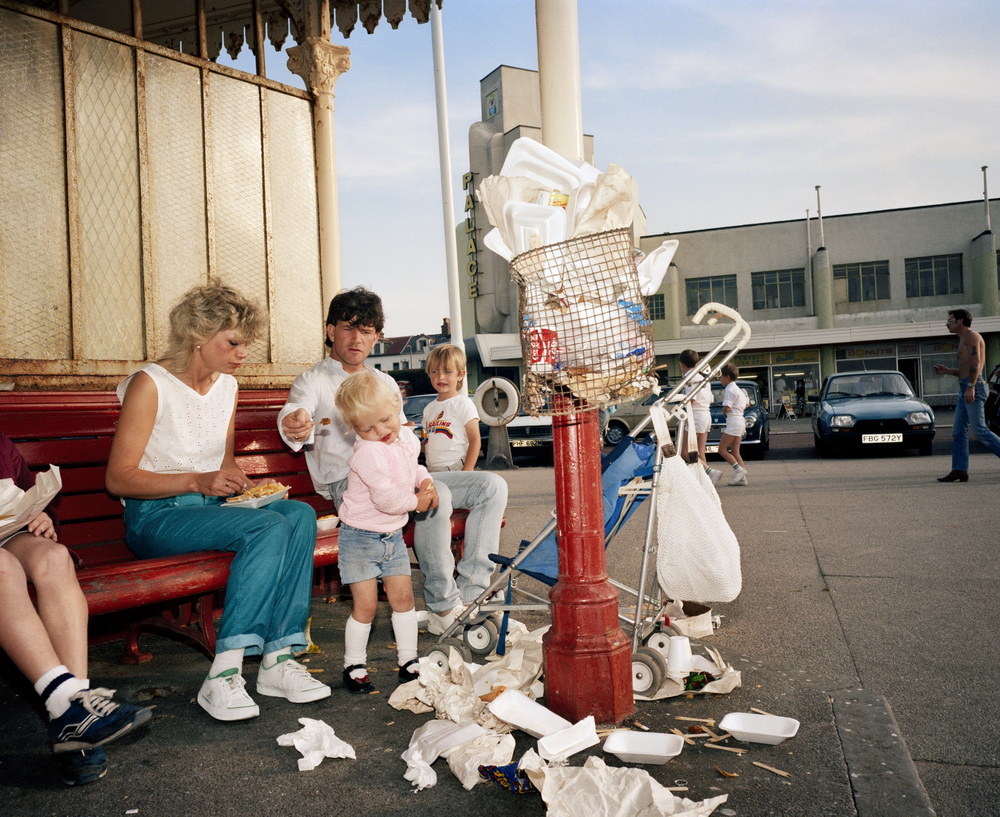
(585,328)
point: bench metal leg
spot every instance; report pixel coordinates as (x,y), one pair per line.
(191,621)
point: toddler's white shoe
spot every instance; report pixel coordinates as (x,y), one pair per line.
(739,478)
(288,679)
(225,698)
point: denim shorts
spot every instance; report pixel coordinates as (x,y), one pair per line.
(366,554)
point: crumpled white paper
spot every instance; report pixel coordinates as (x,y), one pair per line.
(490,749)
(466,747)
(599,790)
(20,507)
(316,741)
(611,205)
(454,694)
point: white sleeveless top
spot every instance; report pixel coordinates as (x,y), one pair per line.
(189,433)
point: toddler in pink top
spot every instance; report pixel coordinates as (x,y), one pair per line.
(384,484)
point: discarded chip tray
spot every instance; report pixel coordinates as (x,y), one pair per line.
(519,710)
(581,735)
(644,747)
(754,728)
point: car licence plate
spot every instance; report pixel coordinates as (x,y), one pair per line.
(711,449)
(526,443)
(881,438)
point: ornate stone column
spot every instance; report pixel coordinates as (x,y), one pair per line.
(319,62)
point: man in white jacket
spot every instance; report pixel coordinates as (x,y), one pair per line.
(310,420)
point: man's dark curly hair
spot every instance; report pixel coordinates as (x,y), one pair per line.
(359,307)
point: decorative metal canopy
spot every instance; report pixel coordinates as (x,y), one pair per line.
(204,27)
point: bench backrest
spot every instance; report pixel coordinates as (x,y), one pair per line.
(74,429)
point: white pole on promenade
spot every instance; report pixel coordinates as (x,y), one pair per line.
(447,200)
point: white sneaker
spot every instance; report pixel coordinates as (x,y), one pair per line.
(739,478)
(290,680)
(714,474)
(437,623)
(225,698)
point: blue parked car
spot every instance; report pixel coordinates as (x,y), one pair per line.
(871,410)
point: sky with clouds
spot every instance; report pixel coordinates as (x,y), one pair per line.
(724,112)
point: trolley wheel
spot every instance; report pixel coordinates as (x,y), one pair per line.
(437,654)
(660,641)
(482,637)
(648,671)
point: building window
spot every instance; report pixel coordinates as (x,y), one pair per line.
(868,281)
(779,289)
(378,366)
(718,288)
(657,307)
(934,275)
(395,366)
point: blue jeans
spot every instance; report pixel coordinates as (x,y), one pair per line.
(484,495)
(966,414)
(269,590)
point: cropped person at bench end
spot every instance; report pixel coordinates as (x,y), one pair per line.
(172,461)
(49,645)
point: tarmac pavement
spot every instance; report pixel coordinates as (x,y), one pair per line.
(868,613)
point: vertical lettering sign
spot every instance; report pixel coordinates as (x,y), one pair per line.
(471,251)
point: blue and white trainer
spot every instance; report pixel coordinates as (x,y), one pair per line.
(83,767)
(93,719)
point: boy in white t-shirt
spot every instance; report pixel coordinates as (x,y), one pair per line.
(451,423)
(734,402)
(451,448)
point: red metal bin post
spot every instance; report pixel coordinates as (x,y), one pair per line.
(588,668)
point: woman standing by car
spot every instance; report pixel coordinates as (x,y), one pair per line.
(172,462)
(734,403)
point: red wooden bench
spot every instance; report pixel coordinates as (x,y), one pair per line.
(180,594)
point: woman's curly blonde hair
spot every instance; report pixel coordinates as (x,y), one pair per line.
(203,312)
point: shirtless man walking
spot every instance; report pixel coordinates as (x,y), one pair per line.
(969,407)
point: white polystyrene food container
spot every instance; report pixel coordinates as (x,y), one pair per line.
(519,710)
(644,747)
(581,735)
(748,726)
(327,522)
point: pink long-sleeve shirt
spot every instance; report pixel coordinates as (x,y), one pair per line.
(380,483)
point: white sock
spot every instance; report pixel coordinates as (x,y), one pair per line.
(356,645)
(56,700)
(404,627)
(228,659)
(271,659)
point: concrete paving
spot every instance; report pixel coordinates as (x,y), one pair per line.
(867,613)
